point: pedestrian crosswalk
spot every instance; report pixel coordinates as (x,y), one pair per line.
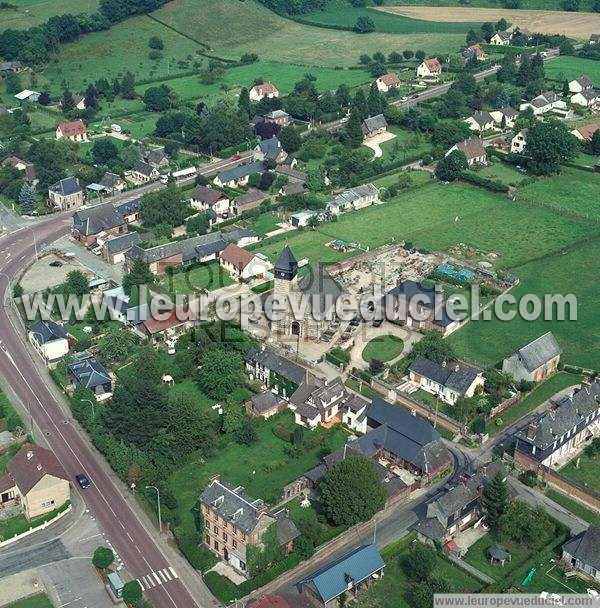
(157,578)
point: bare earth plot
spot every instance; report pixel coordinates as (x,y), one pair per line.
(576,25)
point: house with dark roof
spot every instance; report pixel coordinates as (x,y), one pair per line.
(130,210)
(501,38)
(143,172)
(519,141)
(113,183)
(98,221)
(582,554)
(265,404)
(448,381)
(548,101)
(50,340)
(204,198)
(238,176)
(270,150)
(241,236)
(65,194)
(274,371)
(374,125)
(586,98)
(89,373)
(580,84)
(35,480)
(347,576)
(535,361)
(480,121)
(249,200)
(115,248)
(559,434)
(233,521)
(474,52)
(353,199)
(507,114)
(472,149)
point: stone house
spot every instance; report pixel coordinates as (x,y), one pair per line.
(535,361)
(66,194)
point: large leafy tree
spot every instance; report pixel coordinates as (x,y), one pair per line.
(549,144)
(163,207)
(450,167)
(290,139)
(220,373)
(190,425)
(434,348)
(104,151)
(27,201)
(103,557)
(495,499)
(352,492)
(116,344)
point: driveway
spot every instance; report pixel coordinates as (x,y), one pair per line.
(375,141)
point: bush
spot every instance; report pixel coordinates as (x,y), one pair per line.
(488,184)
(283,432)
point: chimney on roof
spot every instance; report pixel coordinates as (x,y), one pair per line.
(532,429)
(586,380)
(239,512)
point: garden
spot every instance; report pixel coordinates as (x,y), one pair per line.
(383,348)
(35,601)
(584,468)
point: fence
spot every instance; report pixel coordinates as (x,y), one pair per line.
(571,488)
(31,530)
(496,411)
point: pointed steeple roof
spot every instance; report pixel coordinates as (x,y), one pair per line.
(286,265)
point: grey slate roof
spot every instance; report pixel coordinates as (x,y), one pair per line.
(458,380)
(206,195)
(471,148)
(537,353)
(89,372)
(286,262)
(586,547)
(129,207)
(233,236)
(482,117)
(584,82)
(142,167)
(94,220)
(589,94)
(374,123)
(274,362)
(286,529)
(318,282)
(241,171)
(264,402)
(64,187)
(333,580)
(233,504)
(271,148)
(431,528)
(123,242)
(110,180)
(189,248)
(47,331)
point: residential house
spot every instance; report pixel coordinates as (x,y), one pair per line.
(583,83)
(374,125)
(156,157)
(238,176)
(546,102)
(585,132)
(594,39)
(95,222)
(278,117)
(265,405)
(501,38)
(473,149)
(203,248)
(130,210)
(420,306)
(176,322)
(474,52)
(144,172)
(582,554)
(448,381)
(73,130)
(260,91)
(274,371)
(89,373)
(27,96)
(233,521)
(518,142)
(535,361)
(387,82)
(20,165)
(293,187)
(50,340)
(586,98)
(557,435)
(302,218)
(66,194)
(242,237)
(429,69)
(316,402)
(113,183)
(241,264)
(347,576)
(270,150)
(205,198)
(507,114)
(480,121)
(353,199)
(115,248)
(248,201)
(36,480)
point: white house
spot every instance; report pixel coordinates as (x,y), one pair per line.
(429,69)
(480,121)
(519,141)
(586,98)
(27,96)
(143,172)
(473,149)
(50,340)
(580,84)
(585,132)
(508,113)
(238,176)
(387,82)
(242,264)
(301,219)
(545,102)
(204,198)
(260,91)
(501,38)
(73,130)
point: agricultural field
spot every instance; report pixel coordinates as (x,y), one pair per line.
(538,5)
(569,68)
(573,191)
(231,28)
(33,12)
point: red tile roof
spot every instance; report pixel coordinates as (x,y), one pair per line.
(433,64)
(238,257)
(72,128)
(281,601)
(390,79)
(266,88)
(177,317)
(31,464)
(587,131)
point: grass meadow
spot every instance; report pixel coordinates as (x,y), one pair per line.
(540,5)
(570,67)
(585,473)
(33,12)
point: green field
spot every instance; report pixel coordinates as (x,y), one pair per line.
(36,601)
(340,13)
(587,472)
(543,5)
(231,28)
(574,191)
(383,348)
(503,172)
(570,67)
(204,276)
(33,12)
(406,144)
(575,507)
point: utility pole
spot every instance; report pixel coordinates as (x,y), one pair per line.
(158,500)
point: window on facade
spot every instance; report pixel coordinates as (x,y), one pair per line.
(215,529)
(216,544)
(224,537)
(234,543)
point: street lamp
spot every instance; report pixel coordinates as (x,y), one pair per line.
(93,408)
(158,500)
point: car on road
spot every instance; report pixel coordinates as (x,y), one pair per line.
(56,264)
(83,481)
(403,99)
(415,96)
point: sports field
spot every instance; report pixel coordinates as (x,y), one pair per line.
(33,12)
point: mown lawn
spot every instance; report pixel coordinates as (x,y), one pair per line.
(542,392)
(196,278)
(264,223)
(477,557)
(392,590)
(406,144)
(575,507)
(36,601)
(503,172)
(573,191)
(383,348)
(34,12)
(587,472)
(571,67)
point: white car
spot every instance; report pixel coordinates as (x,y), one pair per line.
(403,99)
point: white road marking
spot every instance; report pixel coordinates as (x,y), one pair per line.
(173,572)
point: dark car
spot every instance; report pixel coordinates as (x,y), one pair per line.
(56,264)
(83,481)
(415,96)
(377,322)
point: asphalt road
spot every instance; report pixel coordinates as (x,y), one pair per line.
(141,555)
